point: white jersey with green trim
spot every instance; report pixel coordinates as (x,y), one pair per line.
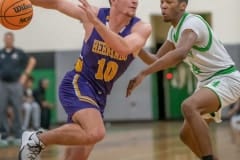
(208,56)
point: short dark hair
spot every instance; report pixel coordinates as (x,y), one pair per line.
(186,1)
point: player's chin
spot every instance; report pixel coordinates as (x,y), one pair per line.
(131,14)
(165,19)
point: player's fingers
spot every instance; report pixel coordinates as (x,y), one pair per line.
(85,3)
(128,90)
(128,93)
(131,86)
(82,7)
(82,2)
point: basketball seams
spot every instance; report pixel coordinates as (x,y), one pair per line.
(18,15)
(2,18)
(1,9)
(11,6)
(15,24)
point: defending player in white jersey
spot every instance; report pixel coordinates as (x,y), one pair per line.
(191,39)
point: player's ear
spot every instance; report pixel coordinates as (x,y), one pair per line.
(183,6)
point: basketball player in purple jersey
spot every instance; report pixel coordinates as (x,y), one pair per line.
(112,38)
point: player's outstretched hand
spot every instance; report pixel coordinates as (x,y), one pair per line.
(133,83)
(91,15)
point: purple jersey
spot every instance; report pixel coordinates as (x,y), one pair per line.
(98,63)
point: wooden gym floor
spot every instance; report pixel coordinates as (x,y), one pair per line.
(145,141)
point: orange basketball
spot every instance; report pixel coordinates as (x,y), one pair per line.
(15,14)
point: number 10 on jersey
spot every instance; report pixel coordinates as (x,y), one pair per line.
(106,70)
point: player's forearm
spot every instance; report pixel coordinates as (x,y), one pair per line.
(71,9)
(50,4)
(64,6)
(165,48)
(147,57)
(167,61)
(113,40)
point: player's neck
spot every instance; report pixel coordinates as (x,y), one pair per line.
(177,19)
(117,22)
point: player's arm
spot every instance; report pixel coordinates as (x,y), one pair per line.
(128,44)
(66,7)
(173,57)
(123,45)
(149,58)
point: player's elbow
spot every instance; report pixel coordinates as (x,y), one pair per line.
(182,56)
(183,52)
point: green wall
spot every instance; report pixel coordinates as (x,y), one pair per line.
(177,89)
